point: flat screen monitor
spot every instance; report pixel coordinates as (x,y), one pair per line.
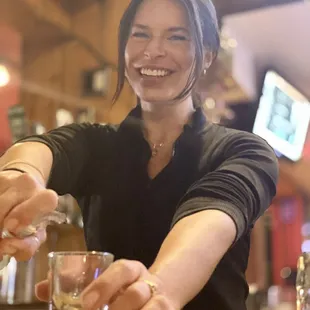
(282,118)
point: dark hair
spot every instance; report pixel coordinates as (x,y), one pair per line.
(203,27)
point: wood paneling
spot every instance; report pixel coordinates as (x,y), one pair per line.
(57,74)
(73,7)
(41,23)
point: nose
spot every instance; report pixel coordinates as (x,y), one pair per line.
(155,48)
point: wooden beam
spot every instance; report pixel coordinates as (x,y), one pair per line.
(48,12)
(27,15)
(74,7)
(43,25)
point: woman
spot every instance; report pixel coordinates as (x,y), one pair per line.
(171,195)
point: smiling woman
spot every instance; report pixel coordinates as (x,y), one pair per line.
(180,38)
(172,196)
(159,55)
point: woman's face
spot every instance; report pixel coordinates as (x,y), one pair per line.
(160,53)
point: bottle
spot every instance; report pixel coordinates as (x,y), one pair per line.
(303,282)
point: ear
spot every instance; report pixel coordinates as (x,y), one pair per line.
(208,59)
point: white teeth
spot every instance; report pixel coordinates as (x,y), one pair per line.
(150,72)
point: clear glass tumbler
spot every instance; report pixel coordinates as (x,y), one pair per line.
(71,273)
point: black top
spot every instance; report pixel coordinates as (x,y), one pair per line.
(105,168)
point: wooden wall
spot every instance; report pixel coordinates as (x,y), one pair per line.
(57,73)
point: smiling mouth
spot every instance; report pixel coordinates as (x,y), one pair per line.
(158,73)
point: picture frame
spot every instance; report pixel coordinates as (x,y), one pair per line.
(96,82)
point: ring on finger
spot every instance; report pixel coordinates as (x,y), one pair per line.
(152,286)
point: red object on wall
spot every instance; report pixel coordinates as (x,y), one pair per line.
(287,217)
(10,53)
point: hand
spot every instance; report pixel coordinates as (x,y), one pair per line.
(22,199)
(122,287)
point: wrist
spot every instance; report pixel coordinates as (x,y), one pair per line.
(11,173)
(13,169)
(163,289)
(23,167)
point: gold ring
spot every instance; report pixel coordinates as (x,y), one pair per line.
(152,286)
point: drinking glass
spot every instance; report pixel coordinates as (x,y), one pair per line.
(71,273)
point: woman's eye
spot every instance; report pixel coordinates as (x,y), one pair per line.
(140,35)
(178,38)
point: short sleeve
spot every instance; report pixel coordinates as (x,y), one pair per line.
(79,150)
(243,184)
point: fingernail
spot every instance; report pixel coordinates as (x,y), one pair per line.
(90,300)
(11,224)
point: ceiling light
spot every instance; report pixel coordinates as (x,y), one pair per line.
(4,76)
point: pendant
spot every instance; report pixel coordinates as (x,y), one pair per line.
(154,152)
(156,148)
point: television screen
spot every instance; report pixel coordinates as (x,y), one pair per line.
(282,118)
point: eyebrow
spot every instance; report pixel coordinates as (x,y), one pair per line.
(171,29)
(175,29)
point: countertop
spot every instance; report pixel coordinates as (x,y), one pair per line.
(39,306)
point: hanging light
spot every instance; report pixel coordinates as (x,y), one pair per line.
(4,76)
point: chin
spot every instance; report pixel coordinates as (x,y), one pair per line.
(158,97)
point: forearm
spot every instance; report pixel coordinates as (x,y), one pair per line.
(191,252)
(33,157)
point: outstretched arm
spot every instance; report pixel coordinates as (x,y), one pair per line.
(191,252)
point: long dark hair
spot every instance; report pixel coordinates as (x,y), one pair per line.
(203,27)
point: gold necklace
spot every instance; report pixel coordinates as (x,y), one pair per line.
(156,148)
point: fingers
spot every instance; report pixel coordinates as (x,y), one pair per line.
(134,297)
(6,177)
(24,213)
(123,296)
(22,249)
(42,291)
(119,275)
(15,191)
(22,199)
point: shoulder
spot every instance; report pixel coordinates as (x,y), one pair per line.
(223,138)
(92,127)
(87,130)
(221,144)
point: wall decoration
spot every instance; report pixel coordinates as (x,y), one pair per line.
(96,82)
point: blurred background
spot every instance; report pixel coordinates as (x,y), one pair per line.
(58,61)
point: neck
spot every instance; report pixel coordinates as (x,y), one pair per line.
(165,122)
